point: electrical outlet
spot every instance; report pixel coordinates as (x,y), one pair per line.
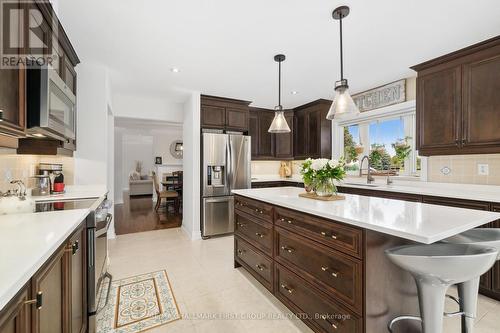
(483,169)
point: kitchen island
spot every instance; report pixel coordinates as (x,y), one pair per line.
(325,259)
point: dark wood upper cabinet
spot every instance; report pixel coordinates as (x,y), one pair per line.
(213,116)
(458,102)
(439,102)
(224,113)
(284,141)
(13,95)
(253,131)
(301,126)
(313,132)
(237,118)
(481,86)
(266,139)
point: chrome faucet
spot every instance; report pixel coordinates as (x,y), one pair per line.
(21,191)
(369,178)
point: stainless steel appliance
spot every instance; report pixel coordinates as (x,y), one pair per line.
(53,171)
(42,185)
(226,166)
(97,224)
(51,105)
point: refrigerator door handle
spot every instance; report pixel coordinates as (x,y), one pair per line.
(229,165)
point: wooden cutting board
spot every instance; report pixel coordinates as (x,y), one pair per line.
(312,195)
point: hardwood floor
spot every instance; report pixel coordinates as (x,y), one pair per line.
(137,214)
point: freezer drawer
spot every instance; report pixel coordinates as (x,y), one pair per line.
(218,215)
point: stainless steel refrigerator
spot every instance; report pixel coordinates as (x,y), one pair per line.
(225,166)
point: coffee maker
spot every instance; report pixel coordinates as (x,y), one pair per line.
(56,177)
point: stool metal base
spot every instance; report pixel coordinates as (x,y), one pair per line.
(395,320)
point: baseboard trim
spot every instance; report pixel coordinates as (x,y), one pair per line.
(191,235)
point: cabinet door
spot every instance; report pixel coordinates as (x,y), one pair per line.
(481,86)
(69,76)
(314,123)
(253,131)
(266,139)
(51,281)
(284,141)
(78,283)
(213,116)
(12,87)
(301,140)
(15,316)
(237,119)
(439,111)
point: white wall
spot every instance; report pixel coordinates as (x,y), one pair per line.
(162,141)
(118,167)
(147,107)
(191,160)
(92,119)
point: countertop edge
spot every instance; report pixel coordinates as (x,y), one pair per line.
(390,232)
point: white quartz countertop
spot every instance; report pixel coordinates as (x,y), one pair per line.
(423,223)
(75,192)
(489,193)
(27,241)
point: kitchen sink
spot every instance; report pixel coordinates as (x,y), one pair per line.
(362,184)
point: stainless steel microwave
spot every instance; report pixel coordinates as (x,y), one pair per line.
(51,105)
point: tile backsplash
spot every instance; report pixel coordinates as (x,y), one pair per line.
(25,166)
(272,167)
(464,169)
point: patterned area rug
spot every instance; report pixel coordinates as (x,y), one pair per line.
(137,304)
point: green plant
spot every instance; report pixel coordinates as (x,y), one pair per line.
(349,146)
(402,149)
(379,158)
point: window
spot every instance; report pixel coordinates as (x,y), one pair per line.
(386,135)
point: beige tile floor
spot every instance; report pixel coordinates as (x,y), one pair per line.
(205,283)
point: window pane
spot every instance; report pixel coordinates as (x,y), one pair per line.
(351,139)
(389,148)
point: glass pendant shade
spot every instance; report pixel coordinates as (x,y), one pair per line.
(342,105)
(279,124)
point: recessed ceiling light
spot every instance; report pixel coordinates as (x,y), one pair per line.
(294,92)
(174,70)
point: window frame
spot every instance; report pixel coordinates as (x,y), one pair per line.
(406,111)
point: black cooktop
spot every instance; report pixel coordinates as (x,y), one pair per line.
(64,205)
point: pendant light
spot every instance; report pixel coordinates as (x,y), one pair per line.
(343,104)
(279,124)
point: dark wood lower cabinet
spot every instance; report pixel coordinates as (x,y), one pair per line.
(55,299)
(16,317)
(320,281)
(78,281)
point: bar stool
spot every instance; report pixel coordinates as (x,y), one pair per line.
(468,291)
(435,267)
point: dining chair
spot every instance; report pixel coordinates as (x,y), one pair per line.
(171,197)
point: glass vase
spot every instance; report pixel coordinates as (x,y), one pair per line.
(325,188)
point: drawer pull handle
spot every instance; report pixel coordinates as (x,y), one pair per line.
(38,301)
(334,274)
(73,248)
(259,235)
(260,267)
(324,234)
(243,225)
(284,286)
(285,220)
(325,318)
(241,251)
(288,249)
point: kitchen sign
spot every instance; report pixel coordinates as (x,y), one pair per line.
(389,94)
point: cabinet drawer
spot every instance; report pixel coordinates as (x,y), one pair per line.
(334,272)
(255,262)
(257,232)
(341,237)
(320,314)
(255,208)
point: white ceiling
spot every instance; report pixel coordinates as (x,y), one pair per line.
(226,47)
